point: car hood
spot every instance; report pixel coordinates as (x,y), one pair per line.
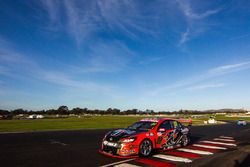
(116,135)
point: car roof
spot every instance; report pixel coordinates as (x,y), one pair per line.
(155,119)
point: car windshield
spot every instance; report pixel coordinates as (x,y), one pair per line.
(143,125)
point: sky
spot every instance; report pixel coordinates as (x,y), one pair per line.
(144,54)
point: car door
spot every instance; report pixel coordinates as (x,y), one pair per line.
(164,133)
(176,133)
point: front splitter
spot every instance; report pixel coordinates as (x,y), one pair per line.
(117,156)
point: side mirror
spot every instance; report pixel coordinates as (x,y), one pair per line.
(162,130)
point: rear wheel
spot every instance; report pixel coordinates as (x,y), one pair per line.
(185,140)
(146,148)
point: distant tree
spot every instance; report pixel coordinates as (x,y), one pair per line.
(19,111)
(131,112)
(63,110)
(96,111)
(51,111)
(77,111)
(113,111)
(109,111)
(116,111)
(4,112)
(40,112)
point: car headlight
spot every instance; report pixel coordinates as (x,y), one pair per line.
(128,140)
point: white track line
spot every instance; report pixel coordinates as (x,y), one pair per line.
(221,143)
(212,147)
(57,142)
(220,139)
(226,137)
(195,151)
(119,162)
(173,158)
(126,165)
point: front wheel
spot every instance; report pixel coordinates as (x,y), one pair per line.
(146,148)
(185,140)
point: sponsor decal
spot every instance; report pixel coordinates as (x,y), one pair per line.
(185,130)
(159,134)
(170,147)
(127,151)
(111,144)
(150,134)
(133,146)
(159,140)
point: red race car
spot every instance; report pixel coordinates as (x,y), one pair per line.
(144,136)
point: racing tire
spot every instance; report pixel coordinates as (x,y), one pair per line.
(185,140)
(145,148)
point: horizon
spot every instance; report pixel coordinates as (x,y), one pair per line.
(157,55)
(222,110)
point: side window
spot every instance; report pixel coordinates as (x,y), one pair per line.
(173,124)
(180,125)
(176,124)
(166,125)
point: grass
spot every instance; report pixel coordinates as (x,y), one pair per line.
(222,117)
(73,123)
(88,122)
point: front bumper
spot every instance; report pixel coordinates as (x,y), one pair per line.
(120,149)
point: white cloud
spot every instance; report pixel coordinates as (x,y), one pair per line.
(107,57)
(126,16)
(206,86)
(63,79)
(133,19)
(193,20)
(53,9)
(18,66)
(186,8)
(204,77)
(83,19)
(151,59)
(229,68)
(184,37)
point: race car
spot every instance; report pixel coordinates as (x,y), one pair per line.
(142,137)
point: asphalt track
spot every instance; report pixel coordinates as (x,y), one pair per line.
(80,149)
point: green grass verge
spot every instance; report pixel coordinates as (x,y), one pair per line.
(235,118)
(88,122)
(91,122)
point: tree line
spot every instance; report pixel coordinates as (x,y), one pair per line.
(64,110)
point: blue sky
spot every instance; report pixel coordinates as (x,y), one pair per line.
(161,55)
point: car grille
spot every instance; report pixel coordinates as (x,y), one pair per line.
(109,149)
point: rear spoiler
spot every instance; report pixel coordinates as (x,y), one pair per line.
(189,121)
